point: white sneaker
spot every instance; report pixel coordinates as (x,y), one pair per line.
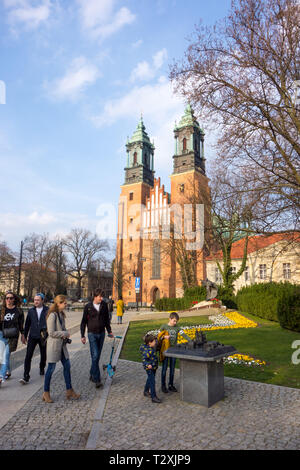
(23,381)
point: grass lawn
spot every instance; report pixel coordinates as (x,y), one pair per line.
(268,342)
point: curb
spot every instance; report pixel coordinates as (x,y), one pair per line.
(93,438)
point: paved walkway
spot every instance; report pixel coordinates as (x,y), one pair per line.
(118,416)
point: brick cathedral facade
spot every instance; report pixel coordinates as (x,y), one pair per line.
(146,215)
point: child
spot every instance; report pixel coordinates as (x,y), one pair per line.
(169,337)
(150,363)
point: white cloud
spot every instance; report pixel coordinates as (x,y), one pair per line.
(155,101)
(160,108)
(146,71)
(142,71)
(99,19)
(27,13)
(137,44)
(15,226)
(94,12)
(34,219)
(77,78)
(159,58)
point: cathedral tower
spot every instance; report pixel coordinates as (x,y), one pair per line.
(139,179)
(189,144)
(140,155)
(189,185)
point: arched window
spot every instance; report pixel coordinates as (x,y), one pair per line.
(156,260)
(135,158)
(184,144)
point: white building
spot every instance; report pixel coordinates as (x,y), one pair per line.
(270,258)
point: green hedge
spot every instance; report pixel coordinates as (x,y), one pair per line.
(272,301)
(196,294)
(289,310)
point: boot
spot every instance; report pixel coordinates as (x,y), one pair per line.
(47,398)
(71,394)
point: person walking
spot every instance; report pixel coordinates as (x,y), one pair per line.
(96,319)
(35,325)
(57,348)
(120,310)
(110,305)
(11,325)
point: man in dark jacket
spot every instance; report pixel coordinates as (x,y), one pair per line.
(96,319)
(34,324)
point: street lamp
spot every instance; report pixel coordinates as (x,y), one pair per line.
(20,268)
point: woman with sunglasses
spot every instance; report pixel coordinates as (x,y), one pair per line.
(57,347)
(11,325)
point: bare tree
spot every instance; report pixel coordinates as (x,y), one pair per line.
(82,248)
(240,75)
(7,262)
(58,261)
(7,258)
(120,276)
(38,265)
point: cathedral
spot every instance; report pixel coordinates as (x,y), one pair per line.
(148,255)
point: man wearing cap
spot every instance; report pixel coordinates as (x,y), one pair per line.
(34,324)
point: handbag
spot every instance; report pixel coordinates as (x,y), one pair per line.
(12,332)
(44,336)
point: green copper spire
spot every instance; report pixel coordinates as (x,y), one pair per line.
(140,157)
(140,134)
(189,144)
(188,119)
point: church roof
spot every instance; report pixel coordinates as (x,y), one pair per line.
(257,242)
(188,119)
(140,134)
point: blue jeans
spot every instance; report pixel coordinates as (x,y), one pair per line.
(150,384)
(5,367)
(67,373)
(96,341)
(171,361)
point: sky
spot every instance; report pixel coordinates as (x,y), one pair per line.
(75,78)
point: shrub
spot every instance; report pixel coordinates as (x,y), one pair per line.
(272,301)
(191,294)
(289,310)
(227,297)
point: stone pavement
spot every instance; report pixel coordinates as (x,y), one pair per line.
(251,416)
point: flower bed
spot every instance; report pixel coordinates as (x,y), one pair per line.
(229,320)
(242,359)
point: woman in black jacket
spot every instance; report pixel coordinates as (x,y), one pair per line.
(11,325)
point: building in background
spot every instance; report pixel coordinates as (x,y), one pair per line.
(270,258)
(95,278)
(146,265)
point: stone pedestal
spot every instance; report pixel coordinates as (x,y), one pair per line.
(201,382)
(201,378)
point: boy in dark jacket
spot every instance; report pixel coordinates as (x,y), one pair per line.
(150,364)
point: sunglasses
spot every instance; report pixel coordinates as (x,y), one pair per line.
(9,298)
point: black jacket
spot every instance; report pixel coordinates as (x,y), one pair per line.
(33,325)
(95,321)
(13,318)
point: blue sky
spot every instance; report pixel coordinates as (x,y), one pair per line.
(78,74)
